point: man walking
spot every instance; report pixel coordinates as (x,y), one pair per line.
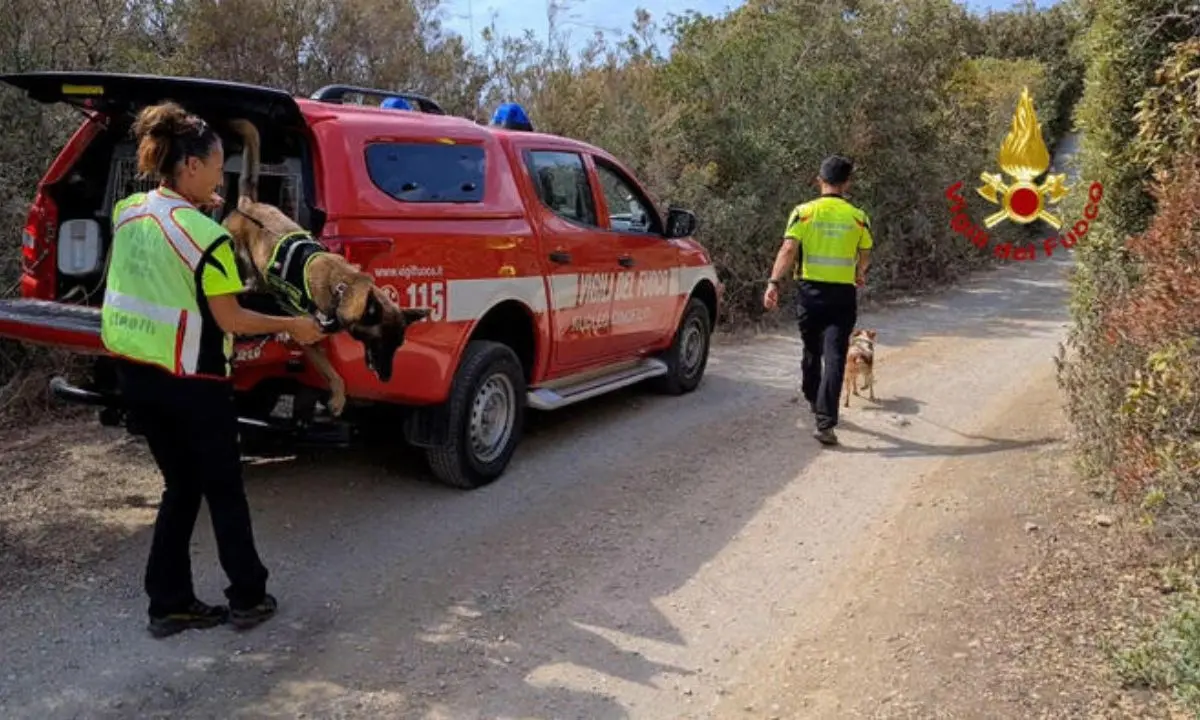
(833,239)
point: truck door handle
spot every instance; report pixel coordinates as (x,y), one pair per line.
(560,256)
(626,261)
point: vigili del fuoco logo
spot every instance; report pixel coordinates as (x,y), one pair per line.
(1023,157)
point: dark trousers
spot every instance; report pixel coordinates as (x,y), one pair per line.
(826,314)
(191,427)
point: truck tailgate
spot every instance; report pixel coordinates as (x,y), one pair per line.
(73,327)
(77,328)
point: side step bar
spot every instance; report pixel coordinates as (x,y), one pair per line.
(545,398)
(324,434)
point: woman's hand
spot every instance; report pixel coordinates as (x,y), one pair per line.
(305,330)
(237,320)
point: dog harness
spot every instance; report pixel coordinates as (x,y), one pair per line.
(287,272)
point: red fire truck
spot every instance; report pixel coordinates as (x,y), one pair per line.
(551,275)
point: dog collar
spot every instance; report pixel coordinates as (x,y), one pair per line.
(332,323)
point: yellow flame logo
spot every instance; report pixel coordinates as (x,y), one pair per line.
(1023,156)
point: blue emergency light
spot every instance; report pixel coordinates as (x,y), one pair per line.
(395,103)
(511,116)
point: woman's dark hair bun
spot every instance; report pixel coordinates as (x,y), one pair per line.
(166,119)
(166,134)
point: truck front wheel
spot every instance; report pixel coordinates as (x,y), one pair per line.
(485,413)
(688,355)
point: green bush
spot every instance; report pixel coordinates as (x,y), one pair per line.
(1169,658)
(1126,46)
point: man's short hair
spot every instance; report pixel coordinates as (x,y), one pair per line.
(836,169)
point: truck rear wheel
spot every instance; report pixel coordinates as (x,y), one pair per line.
(485,413)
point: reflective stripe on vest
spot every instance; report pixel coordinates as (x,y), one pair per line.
(150,312)
(163,212)
(829,261)
(182,325)
(830,230)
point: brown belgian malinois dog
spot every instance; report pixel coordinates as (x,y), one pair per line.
(278,256)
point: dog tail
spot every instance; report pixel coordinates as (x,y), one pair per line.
(251,162)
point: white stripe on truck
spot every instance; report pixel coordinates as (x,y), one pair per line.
(468,300)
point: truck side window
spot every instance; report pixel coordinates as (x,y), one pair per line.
(427,172)
(562,184)
(628,211)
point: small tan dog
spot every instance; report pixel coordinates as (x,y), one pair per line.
(860,364)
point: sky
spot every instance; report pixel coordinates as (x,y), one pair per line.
(585,16)
(581,19)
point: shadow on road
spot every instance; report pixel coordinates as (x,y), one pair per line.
(895,405)
(901,447)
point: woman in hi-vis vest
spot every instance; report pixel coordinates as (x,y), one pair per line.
(168,318)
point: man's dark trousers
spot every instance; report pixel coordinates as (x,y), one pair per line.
(191,428)
(826,314)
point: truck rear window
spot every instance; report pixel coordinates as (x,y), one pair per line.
(427,172)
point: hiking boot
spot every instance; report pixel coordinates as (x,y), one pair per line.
(826,437)
(197,616)
(249,617)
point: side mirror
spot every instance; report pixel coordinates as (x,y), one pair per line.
(681,223)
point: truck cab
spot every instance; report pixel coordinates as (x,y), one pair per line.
(550,274)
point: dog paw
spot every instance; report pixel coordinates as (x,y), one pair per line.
(337,401)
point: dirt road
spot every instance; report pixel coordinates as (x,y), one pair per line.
(644,557)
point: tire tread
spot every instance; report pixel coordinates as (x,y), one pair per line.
(449,462)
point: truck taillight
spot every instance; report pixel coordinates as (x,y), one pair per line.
(28,247)
(37,249)
(358,251)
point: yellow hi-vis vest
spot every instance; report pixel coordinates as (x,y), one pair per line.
(830,232)
(151,312)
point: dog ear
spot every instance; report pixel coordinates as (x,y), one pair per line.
(412,315)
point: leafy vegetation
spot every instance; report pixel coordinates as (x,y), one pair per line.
(1136,299)
(732,122)
(1167,657)
(1133,380)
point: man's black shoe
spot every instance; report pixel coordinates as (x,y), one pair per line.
(197,616)
(249,617)
(826,437)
